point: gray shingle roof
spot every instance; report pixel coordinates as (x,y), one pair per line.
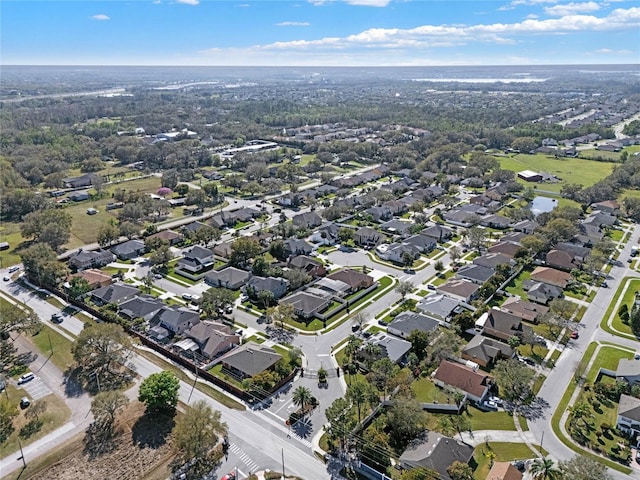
(251,358)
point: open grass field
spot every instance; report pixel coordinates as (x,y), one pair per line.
(504,452)
(572,170)
(10,232)
(48,338)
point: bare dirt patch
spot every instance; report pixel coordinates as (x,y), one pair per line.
(141,449)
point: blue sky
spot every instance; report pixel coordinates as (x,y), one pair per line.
(319,32)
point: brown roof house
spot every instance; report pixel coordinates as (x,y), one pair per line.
(608,206)
(356,280)
(486,351)
(434,451)
(168,236)
(503,325)
(212,338)
(528,311)
(562,260)
(455,376)
(94,277)
(504,471)
(249,359)
(551,276)
(508,248)
(368,237)
(459,290)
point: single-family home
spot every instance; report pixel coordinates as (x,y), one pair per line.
(396,252)
(128,250)
(423,243)
(551,276)
(628,419)
(79,196)
(296,246)
(84,259)
(307,220)
(249,360)
(276,285)
(504,325)
(504,471)
(141,306)
(231,277)
(608,206)
(368,237)
(223,249)
(169,236)
(329,287)
(212,338)
(356,280)
(494,260)
(628,371)
(326,234)
(393,348)
(561,260)
(523,309)
(459,289)
(496,221)
(458,377)
(79,182)
(485,351)
(196,259)
(378,213)
(193,227)
(396,226)
(525,226)
(114,293)
(407,322)
(442,307)
(95,278)
(541,293)
(438,232)
(475,273)
(508,248)
(175,319)
(433,451)
(307,304)
(313,267)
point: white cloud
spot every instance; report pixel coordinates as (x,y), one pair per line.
(608,51)
(293,24)
(362,3)
(189,2)
(571,8)
(100,16)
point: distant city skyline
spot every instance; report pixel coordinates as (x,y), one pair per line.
(319,32)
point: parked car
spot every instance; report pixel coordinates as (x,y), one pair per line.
(15,268)
(495,400)
(383,323)
(355,327)
(25,402)
(187,296)
(431,287)
(27,377)
(575,334)
(6,278)
(229,476)
(409,270)
(57,318)
(490,405)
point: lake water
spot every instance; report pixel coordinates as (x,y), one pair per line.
(543,204)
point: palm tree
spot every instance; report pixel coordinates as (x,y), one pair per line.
(302,397)
(544,469)
(581,413)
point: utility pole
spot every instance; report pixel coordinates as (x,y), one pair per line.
(283,475)
(24,463)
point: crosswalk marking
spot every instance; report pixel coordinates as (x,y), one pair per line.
(244,458)
(281,426)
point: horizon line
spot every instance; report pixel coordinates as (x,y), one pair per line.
(316,66)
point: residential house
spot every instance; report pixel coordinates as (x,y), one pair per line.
(192,228)
(628,371)
(329,287)
(475,273)
(503,325)
(494,260)
(628,419)
(608,206)
(295,246)
(79,182)
(326,234)
(551,276)
(523,309)
(128,250)
(169,236)
(442,307)
(436,452)
(114,293)
(440,233)
(79,196)
(307,220)
(507,248)
(541,292)
(393,348)
(486,351)
(396,252)
(84,259)
(600,220)
(141,306)
(496,221)
(378,213)
(466,380)
(562,260)
(196,259)
(231,277)
(307,304)
(504,471)
(459,289)
(313,267)
(223,249)
(526,226)
(407,322)
(423,243)
(276,285)
(213,339)
(175,319)
(95,278)
(396,227)
(249,360)
(368,237)
(513,237)
(356,280)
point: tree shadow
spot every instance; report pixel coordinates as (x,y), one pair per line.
(73,385)
(535,409)
(152,430)
(99,440)
(303,427)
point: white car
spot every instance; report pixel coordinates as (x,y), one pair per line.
(187,296)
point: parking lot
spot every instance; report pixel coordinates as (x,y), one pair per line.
(36,389)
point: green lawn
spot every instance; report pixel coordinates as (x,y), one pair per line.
(427,392)
(515,286)
(489,420)
(607,358)
(571,170)
(504,452)
(10,232)
(633,285)
(47,338)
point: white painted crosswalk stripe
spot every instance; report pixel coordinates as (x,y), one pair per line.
(244,458)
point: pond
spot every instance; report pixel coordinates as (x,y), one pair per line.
(543,204)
